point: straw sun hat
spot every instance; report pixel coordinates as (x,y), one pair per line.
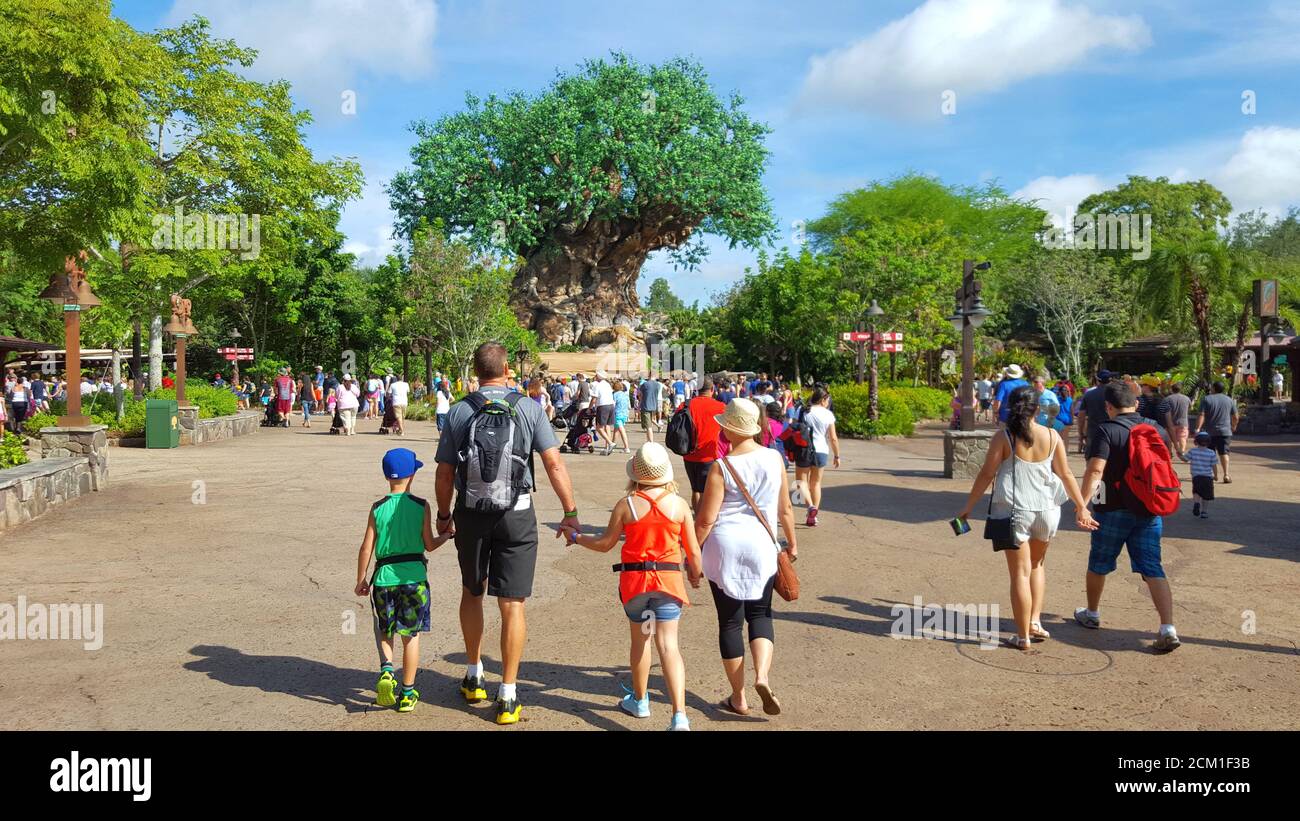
(741,416)
(1014,372)
(650,465)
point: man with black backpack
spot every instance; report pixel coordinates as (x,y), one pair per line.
(1131,482)
(486,454)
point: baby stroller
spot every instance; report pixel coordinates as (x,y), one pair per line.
(389,424)
(563,413)
(273,417)
(336,425)
(580,432)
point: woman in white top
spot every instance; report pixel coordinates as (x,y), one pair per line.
(825,446)
(347,396)
(739,554)
(1033,479)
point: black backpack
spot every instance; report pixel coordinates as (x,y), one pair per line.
(680,435)
(496,463)
(801,436)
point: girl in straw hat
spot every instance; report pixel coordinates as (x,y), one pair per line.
(658,538)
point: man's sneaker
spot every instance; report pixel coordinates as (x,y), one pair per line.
(1166,642)
(472,689)
(1082,617)
(679,723)
(408,702)
(1196,509)
(638,707)
(385,688)
(1205,514)
(508,711)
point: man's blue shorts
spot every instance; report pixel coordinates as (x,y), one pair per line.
(1140,533)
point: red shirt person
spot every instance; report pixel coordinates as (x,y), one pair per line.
(284,392)
(707,430)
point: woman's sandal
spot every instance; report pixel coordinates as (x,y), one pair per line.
(1017,643)
(727,707)
(1036,631)
(770,705)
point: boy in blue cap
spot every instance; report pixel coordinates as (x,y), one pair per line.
(399,590)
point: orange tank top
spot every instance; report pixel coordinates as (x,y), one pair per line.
(652,538)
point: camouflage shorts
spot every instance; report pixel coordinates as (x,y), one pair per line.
(401,608)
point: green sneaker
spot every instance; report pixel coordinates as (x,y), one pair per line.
(385,689)
(408,702)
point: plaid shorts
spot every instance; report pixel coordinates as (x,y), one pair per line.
(1119,528)
(401,608)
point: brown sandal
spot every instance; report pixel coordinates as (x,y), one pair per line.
(770,705)
(727,707)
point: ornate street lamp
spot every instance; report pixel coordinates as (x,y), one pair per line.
(969,313)
(71,289)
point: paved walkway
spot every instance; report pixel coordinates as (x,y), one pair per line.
(233,613)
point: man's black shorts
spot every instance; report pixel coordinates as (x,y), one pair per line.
(698,473)
(604,415)
(1221,444)
(499,548)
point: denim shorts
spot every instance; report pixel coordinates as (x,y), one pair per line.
(1120,528)
(821,460)
(663,606)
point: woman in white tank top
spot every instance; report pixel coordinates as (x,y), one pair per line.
(1028,464)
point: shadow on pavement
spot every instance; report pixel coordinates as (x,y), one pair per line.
(881,617)
(306,678)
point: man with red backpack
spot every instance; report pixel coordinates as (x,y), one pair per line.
(1131,482)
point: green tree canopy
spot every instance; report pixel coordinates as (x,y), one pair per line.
(585,179)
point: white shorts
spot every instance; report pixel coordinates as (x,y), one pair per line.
(1039,525)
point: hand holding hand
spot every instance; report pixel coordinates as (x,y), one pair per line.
(1083,518)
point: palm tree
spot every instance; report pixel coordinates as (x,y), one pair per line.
(1182,279)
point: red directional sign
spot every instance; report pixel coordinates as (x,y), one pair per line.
(865,336)
(242,357)
(235,351)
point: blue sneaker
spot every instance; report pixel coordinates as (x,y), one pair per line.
(679,723)
(633,706)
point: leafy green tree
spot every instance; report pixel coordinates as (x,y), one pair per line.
(72,153)
(984,221)
(1181,213)
(459,300)
(911,268)
(1070,292)
(661,299)
(586,179)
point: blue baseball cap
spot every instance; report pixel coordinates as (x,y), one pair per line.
(400,463)
(1104,375)
(1203,436)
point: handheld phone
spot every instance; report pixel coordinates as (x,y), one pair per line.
(959,526)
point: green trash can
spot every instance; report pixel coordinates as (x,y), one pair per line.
(162,427)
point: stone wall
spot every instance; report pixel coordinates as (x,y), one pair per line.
(1269,420)
(29,490)
(196,431)
(89,443)
(964,452)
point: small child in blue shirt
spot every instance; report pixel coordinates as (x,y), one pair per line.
(1203,460)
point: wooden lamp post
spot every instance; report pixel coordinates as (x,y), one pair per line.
(72,291)
(180,327)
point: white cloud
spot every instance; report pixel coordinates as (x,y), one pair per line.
(967,46)
(1060,196)
(324,46)
(1264,171)
(1261,171)
(368,223)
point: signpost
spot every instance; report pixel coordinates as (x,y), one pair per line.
(877,342)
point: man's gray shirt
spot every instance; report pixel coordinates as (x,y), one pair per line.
(528,414)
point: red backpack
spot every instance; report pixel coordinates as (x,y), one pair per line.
(1150,476)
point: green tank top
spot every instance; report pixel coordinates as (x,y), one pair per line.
(399,528)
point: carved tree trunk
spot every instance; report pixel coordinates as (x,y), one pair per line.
(582,291)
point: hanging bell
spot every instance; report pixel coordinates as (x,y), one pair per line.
(59,289)
(85,297)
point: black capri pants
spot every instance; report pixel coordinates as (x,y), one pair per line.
(733,614)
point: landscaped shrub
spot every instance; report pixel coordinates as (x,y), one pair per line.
(420,411)
(12,453)
(212,401)
(853,412)
(33,424)
(926,403)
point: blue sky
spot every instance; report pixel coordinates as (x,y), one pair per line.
(1055,99)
